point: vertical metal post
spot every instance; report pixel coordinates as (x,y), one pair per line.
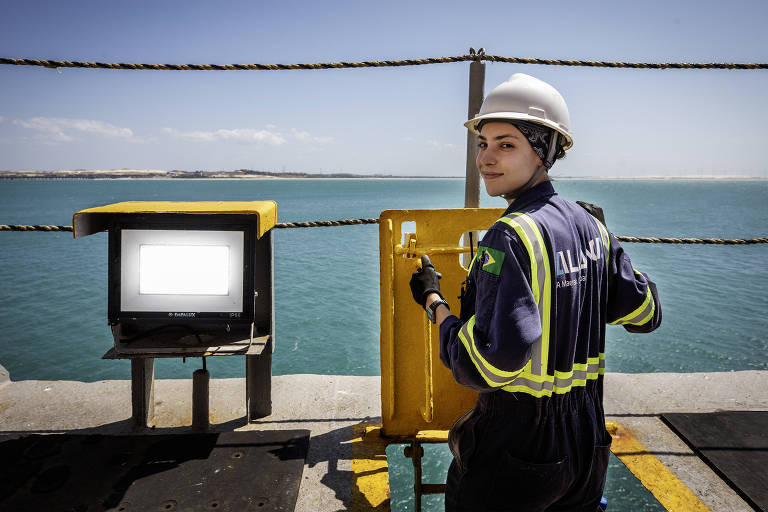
(258,383)
(200,400)
(258,364)
(476,93)
(472,183)
(142,392)
(415,452)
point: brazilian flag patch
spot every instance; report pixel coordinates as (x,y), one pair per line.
(490,260)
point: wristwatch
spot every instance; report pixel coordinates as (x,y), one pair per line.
(432,308)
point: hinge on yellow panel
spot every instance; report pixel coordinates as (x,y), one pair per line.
(410,250)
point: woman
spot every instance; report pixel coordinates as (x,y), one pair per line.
(546,279)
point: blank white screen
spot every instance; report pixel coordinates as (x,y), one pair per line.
(183,269)
(163,270)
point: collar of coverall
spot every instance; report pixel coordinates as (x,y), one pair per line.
(533,194)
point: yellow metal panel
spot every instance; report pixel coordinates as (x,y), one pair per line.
(432,436)
(418,392)
(92,220)
(663,484)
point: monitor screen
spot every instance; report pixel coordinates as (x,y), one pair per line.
(197,271)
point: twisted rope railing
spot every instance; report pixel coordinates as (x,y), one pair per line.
(37,227)
(326,223)
(715,241)
(352,222)
(632,65)
(478,56)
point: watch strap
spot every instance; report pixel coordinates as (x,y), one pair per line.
(432,309)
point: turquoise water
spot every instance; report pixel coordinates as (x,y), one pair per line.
(624,492)
(53,288)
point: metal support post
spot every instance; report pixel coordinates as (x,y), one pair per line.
(476,93)
(200,399)
(472,183)
(142,392)
(415,452)
(258,384)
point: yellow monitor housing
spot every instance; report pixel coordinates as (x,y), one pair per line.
(186,274)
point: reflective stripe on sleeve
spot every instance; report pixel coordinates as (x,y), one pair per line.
(472,263)
(493,376)
(642,314)
(606,240)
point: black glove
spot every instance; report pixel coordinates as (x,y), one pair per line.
(425,281)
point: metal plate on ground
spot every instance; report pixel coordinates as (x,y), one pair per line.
(734,444)
(229,471)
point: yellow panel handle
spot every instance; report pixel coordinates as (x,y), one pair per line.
(399,249)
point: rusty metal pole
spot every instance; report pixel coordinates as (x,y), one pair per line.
(476,93)
(472,181)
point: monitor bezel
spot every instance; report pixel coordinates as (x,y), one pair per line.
(180,222)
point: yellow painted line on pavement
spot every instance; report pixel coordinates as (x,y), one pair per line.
(671,493)
(370,477)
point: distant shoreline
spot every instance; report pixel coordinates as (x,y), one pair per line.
(194,175)
(142,174)
(145,174)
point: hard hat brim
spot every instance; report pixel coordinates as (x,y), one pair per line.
(563,130)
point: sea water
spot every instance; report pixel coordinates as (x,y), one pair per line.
(53,288)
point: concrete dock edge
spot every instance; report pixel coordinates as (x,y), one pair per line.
(5,377)
(330,406)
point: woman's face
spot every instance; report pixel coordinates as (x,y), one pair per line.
(505,159)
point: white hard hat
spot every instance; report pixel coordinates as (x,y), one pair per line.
(525,98)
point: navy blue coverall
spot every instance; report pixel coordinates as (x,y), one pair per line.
(546,279)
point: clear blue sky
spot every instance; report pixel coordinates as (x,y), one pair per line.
(405,121)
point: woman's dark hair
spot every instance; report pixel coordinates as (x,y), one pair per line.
(560,151)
